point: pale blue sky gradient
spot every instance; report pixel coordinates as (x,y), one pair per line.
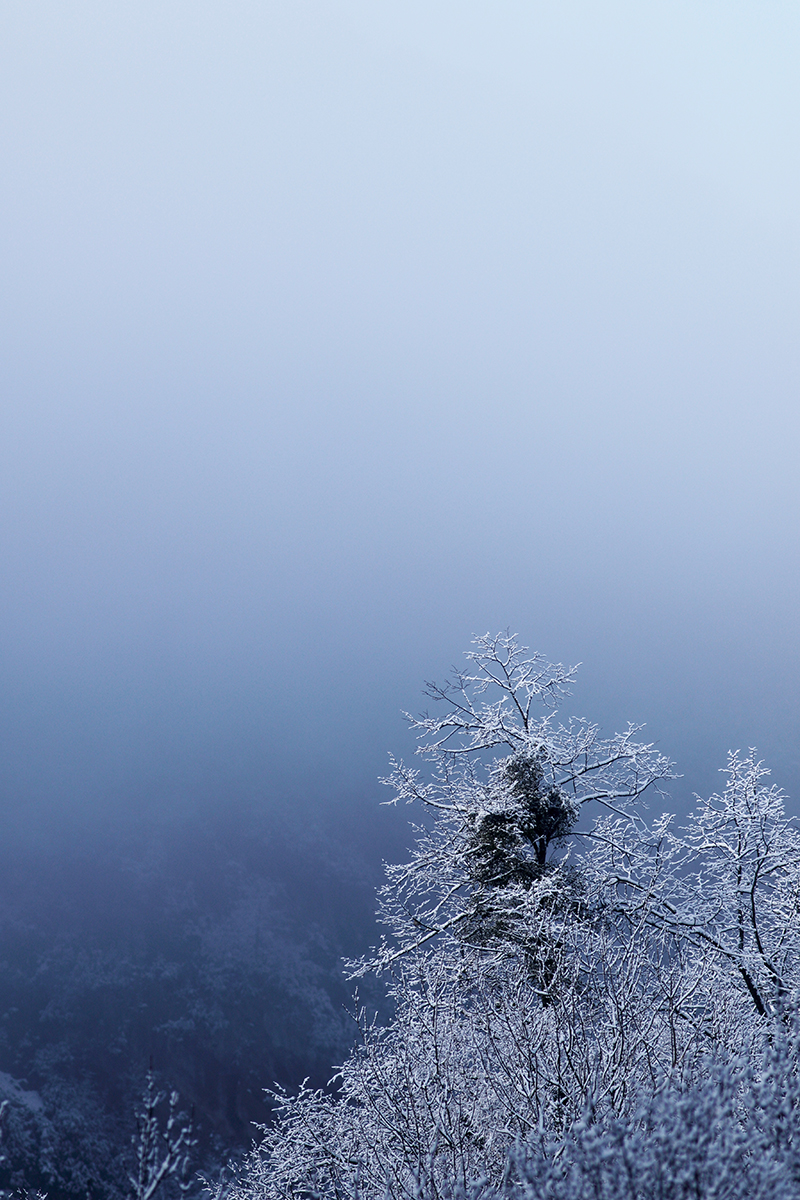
(335,332)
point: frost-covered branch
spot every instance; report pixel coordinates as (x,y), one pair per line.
(160,1154)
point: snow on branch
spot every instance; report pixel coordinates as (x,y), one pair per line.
(160,1154)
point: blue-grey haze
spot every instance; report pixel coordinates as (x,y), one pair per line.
(333,333)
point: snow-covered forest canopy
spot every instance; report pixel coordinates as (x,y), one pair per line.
(574,994)
(589,999)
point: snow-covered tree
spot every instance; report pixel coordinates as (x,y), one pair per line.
(724,892)
(502,823)
(741,901)
(549,952)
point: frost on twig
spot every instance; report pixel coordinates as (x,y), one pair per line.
(161,1154)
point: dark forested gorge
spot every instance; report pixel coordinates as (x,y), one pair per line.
(209,947)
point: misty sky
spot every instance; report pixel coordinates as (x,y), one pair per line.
(334,333)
